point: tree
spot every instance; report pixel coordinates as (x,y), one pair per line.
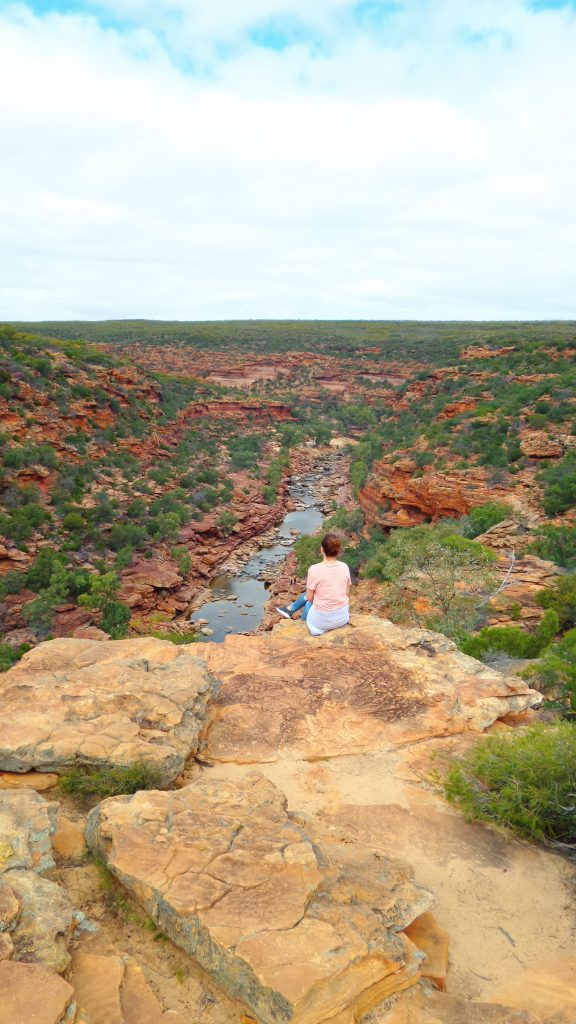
(451,578)
(40,612)
(102,597)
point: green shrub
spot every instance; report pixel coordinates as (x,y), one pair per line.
(183,559)
(524,781)
(555,675)
(174,638)
(484,516)
(23,522)
(39,573)
(226,521)
(9,655)
(562,598)
(125,535)
(110,781)
(512,640)
(458,543)
(12,583)
(556,543)
(74,521)
(560,485)
(102,597)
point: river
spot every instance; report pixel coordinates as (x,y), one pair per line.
(245,612)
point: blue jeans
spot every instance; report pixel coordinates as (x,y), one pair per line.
(299,603)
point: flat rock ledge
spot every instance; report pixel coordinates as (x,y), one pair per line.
(227,874)
(80,702)
(372,686)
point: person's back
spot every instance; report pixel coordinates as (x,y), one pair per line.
(324,604)
(328,586)
(330,581)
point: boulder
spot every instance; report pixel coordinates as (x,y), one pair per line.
(27,823)
(45,921)
(540,445)
(31,994)
(372,686)
(106,702)
(432,940)
(226,873)
(40,781)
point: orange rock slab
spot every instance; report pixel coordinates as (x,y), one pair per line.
(225,872)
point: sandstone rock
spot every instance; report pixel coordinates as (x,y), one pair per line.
(109,702)
(224,871)
(113,990)
(31,994)
(45,921)
(369,687)
(540,445)
(509,535)
(27,823)
(39,781)
(90,633)
(6,946)
(9,906)
(437,1008)
(548,990)
(431,939)
(68,839)
(395,496)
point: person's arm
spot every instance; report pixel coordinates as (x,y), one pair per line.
(311,584)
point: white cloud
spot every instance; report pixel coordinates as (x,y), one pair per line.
(425,172)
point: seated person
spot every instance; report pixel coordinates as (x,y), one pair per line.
(325,603)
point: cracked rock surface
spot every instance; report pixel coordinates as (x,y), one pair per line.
(93,703)
(232,879)
(36,915)
(366,688)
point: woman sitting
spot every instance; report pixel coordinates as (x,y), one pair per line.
(325,603)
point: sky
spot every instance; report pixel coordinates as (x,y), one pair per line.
(302,159)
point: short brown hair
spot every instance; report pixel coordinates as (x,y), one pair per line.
(331,545)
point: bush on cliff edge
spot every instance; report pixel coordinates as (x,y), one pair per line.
(524,781)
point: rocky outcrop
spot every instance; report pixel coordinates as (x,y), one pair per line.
(27,823)
(36,913)
(93,703)
(509,535)
(395,495)
(517,602)
(539,445)
(483,352)
(232,879)
(372,687)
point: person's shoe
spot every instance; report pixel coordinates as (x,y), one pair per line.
(284,611)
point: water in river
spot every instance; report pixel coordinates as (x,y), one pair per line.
(246,613)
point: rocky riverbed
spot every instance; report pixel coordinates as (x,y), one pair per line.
(238,596)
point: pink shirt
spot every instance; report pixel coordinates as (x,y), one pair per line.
(330,582)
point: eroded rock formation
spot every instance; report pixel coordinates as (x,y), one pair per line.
(227,874)
(80,702)
(299,869)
